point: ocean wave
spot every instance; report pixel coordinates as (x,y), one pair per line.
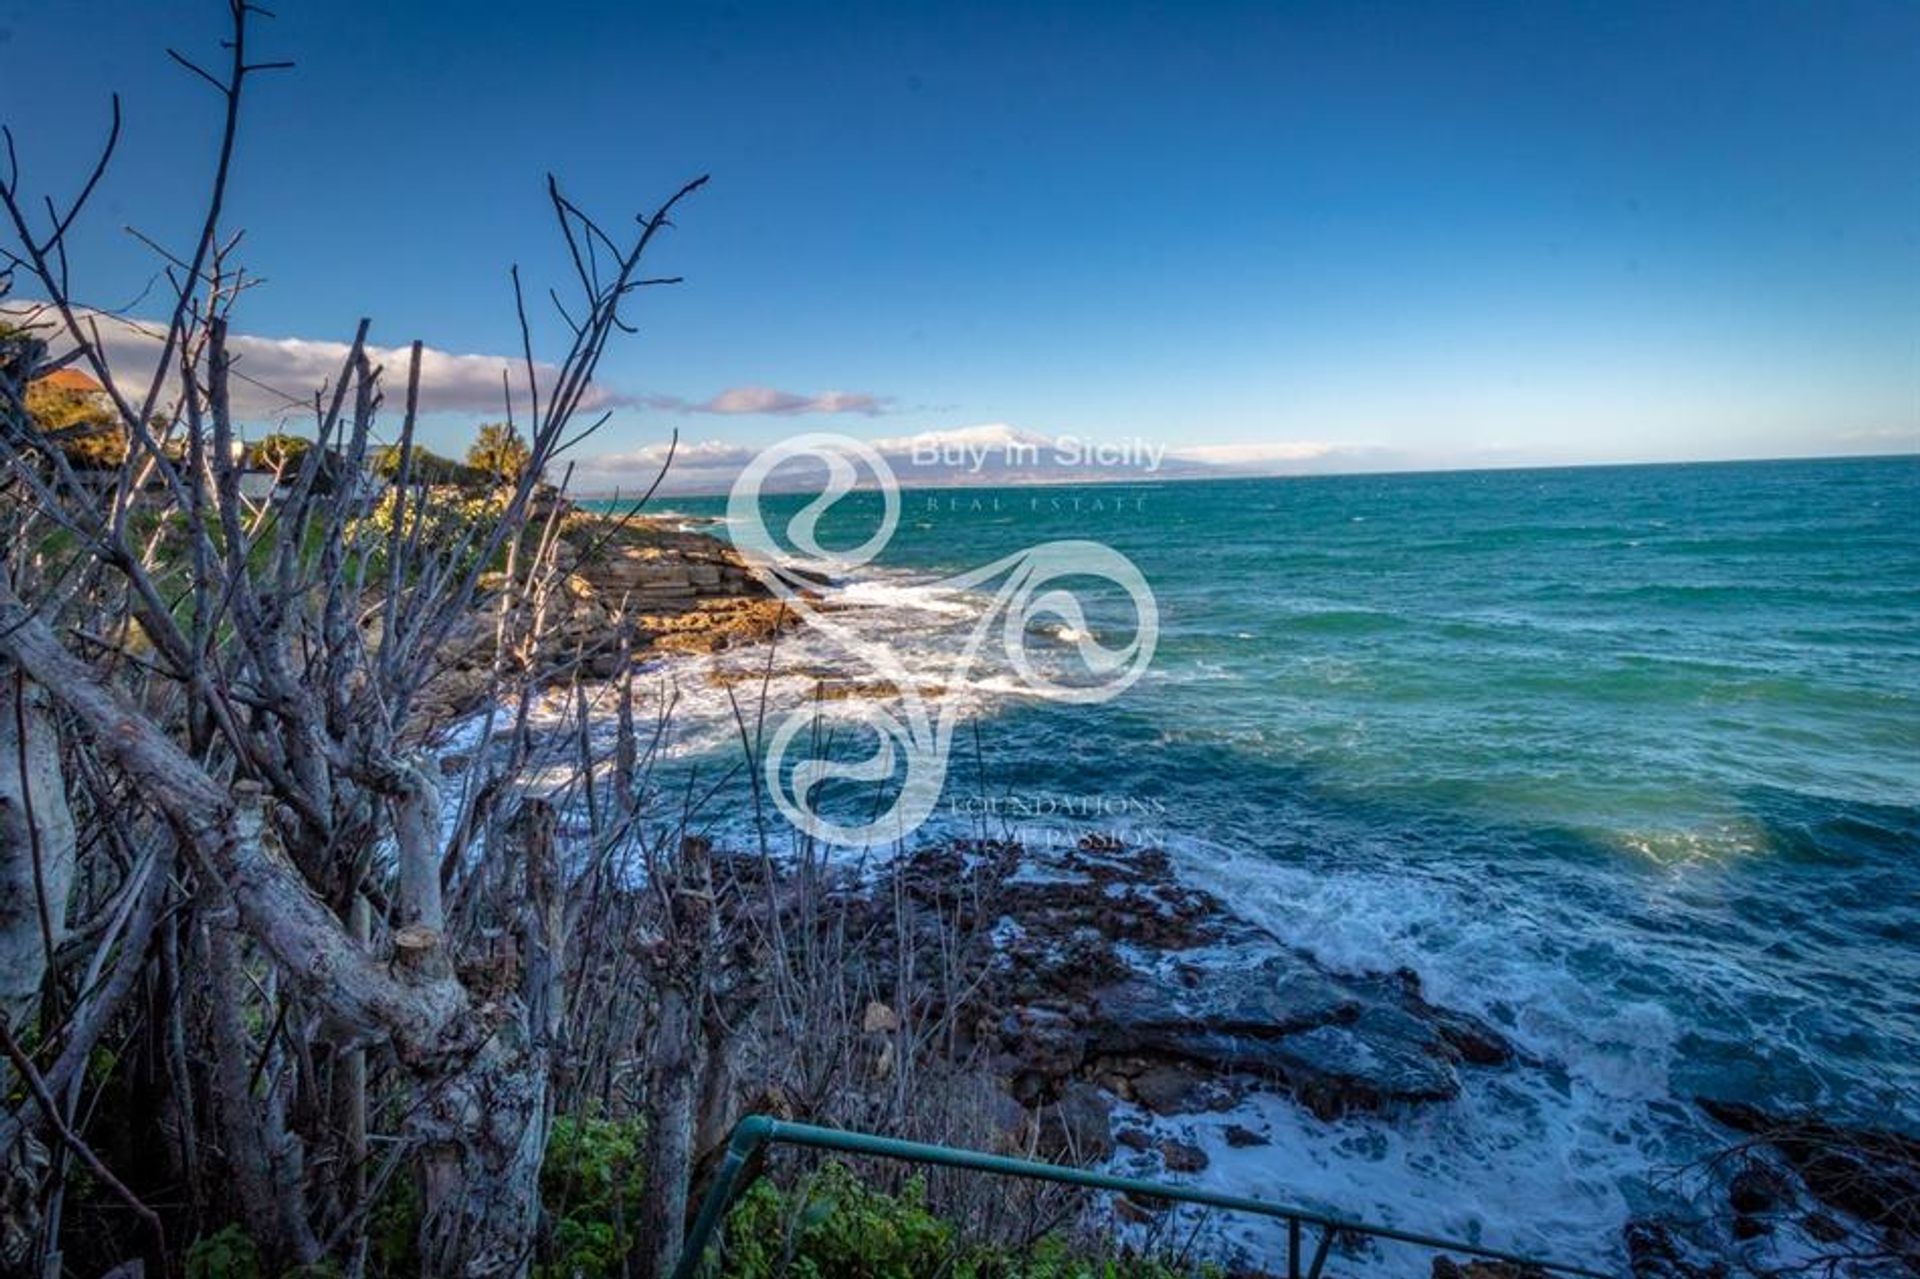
(875,592)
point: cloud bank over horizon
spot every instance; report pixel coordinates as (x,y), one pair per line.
(774,403)
(994,453)
(276,379)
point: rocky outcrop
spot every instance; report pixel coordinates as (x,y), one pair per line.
(650,567)
(1336,1043)
(1160,992)
(1108,970)
(627,590)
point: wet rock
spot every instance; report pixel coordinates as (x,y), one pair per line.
(1171,1090)
(1183,1156)
(1240,1137)
(1288,1022)
(1869,1174)
(1448,1268)
(1384,1057)
(1138,1209)
(1470,1038)
(1079,1126)
(1756,1189)
(1473,1040)
(1654,1252)
(1134,1138)
(1268,1000)
(1098,968)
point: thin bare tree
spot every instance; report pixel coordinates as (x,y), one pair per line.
(224,691)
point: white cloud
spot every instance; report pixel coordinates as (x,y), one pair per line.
(777,403)
(707,466)
(990,435)
(985,454)
(277,378)
(1257,454)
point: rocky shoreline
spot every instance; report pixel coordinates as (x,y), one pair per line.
(1112,974)
(626,589)
(1102,994)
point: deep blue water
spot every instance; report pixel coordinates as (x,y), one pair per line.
(1626,759)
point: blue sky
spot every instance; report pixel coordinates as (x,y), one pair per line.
(1345,235)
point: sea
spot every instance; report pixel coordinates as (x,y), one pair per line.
(1625,760)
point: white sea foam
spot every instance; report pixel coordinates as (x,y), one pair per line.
(1548,1156)
(886,593)
(1520,1161)
(1551,1155)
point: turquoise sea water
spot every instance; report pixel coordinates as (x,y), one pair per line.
(1626,759)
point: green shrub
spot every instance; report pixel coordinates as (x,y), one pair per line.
(230,1254)
(830,1225)
(833,1226)
(590,1187)
(393,1228)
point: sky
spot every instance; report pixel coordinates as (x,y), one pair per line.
(1257,236)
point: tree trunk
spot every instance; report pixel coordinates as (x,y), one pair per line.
(275,1212)
(483,1128)
(669,1141)
(36,873)
(36,847)
(681,969)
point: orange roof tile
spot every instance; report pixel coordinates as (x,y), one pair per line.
(69,379)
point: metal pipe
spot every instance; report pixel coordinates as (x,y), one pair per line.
(759,1130)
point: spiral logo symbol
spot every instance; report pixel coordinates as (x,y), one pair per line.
(1032,589)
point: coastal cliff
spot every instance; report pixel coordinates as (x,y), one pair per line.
(622,589)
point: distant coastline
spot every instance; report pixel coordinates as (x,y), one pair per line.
(910,481)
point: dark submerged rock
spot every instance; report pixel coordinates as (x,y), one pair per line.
(1654,1252)
(1114,970)
(1093,973)
(1240,1137)
(1869,1174)
(1183,1156)
(1757,1189)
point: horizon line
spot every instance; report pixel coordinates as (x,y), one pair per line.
(1154,477)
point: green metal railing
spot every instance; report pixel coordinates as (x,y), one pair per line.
(757,1131)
